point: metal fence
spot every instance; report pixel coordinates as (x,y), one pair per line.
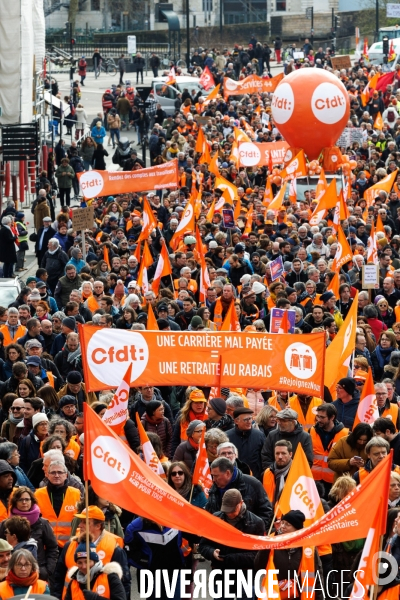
(108,50)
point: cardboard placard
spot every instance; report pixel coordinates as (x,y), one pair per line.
(370,277)
(276,267)
(341,62)
(350,135)
(82,218)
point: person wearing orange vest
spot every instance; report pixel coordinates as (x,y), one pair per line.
(12,330)
(109,547)
(57,502)
(105,580)
(305,406)
(274,477)
(48,370)
(22,577)
(376,449)
(8,480)
(386,409)
(296,560)
(324,435)
(220,307)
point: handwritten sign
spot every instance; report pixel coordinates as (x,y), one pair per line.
(341,62)
(82,218)
(370,277)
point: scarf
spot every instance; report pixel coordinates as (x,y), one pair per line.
(97,567)
(239,516)
(72,356)
(14,420)
(280,475)
(53,251)
(193,443)
(12,579)
(32,515)
(383,355)
(199,417)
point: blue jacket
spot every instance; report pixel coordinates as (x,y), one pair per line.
(78,264)
(22,479)
(141,552)
(98,134)
(346,412)
(29,449)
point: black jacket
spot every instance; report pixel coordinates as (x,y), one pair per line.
(47,548)
(249,445)
(234,558)
(55,263)
(132,435)
(296,437)
(139,406)
(8,254)
(253,495)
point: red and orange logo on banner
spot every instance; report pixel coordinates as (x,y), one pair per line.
(214,358)
(253,154)
(108,183)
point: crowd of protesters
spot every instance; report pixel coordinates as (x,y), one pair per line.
(250,451)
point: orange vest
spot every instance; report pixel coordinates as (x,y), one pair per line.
(391,413)
(218,314)
(320,469)
(4,512)
(100,587)
(192,285)
(7,590)
(50,377)
(309,419)
(397,313)
(75,447)
(21,331)
(307,575)
(61,525)
(362,473)
(269,486)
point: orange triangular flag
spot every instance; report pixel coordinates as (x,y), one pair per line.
(249,222)
(372,250)
(240,135)
(277,202)
(163,269)
(339,352)
(149,220)
(378,123)
(149,456)
(213,166)
(334,285)
(379,225)
(296,168)
(186,224)
(117,414)
(367,411)
(210,212)
(151,319)
(227,197)
(238,208)
(266,587)
(106,256)
(234,155)
(268,194)
(384,185)
(231,322)
(343,253)
(285,325)
(147,257)
(212,95)
(143,280)
(223,184)
(202,472)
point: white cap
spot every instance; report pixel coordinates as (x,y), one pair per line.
(258,287)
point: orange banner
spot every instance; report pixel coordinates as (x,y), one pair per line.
(115,471)
(252,154)
(214,358)
(108,183)
(251,85)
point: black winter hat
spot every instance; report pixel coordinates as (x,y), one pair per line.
(348,384)
(295,518)
(218,405)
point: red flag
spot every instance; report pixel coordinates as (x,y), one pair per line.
(384,81)
(206,79)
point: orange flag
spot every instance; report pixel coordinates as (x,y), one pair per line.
(371,85)
(201,472)
(234,155)
(186,224)
(213,166)
(268,194)
(372,250)
(379,224)
(147,256)
(223,184)
(285,325)
(149,220)
(343,253)
(296,168)
(367,411)
(270,583)
(149,456)
(240,135)
(339,352)
(115,471)
(143,280)
(211,212)
(238,208)
(320,190)
(117,414)
(249,222)
(384,185)
(310,502)
(334,285)
(366,574)
(151,319)
(106,256)
(277,202)
(163,269)
(231,322)
(204,276)
(212,95)
(341,212)
(378,123)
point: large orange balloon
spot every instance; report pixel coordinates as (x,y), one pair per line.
(310,108)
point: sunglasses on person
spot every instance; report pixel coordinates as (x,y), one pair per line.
(175,473)
(16,408)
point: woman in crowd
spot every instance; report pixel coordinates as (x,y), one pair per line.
(23,575)
(187,450)
(9,452)
(66,431)
(266,419)
(194,408)
(13,353)
(29,447)
(348,454)
(154,420)
(381,355)
(180,479)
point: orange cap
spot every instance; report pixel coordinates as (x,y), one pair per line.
(94,512)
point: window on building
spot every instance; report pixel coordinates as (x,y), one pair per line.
(207,5)
(95,5)
(281,5)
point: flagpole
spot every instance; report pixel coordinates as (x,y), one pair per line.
(191,494)
(273,520)
(87,535)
